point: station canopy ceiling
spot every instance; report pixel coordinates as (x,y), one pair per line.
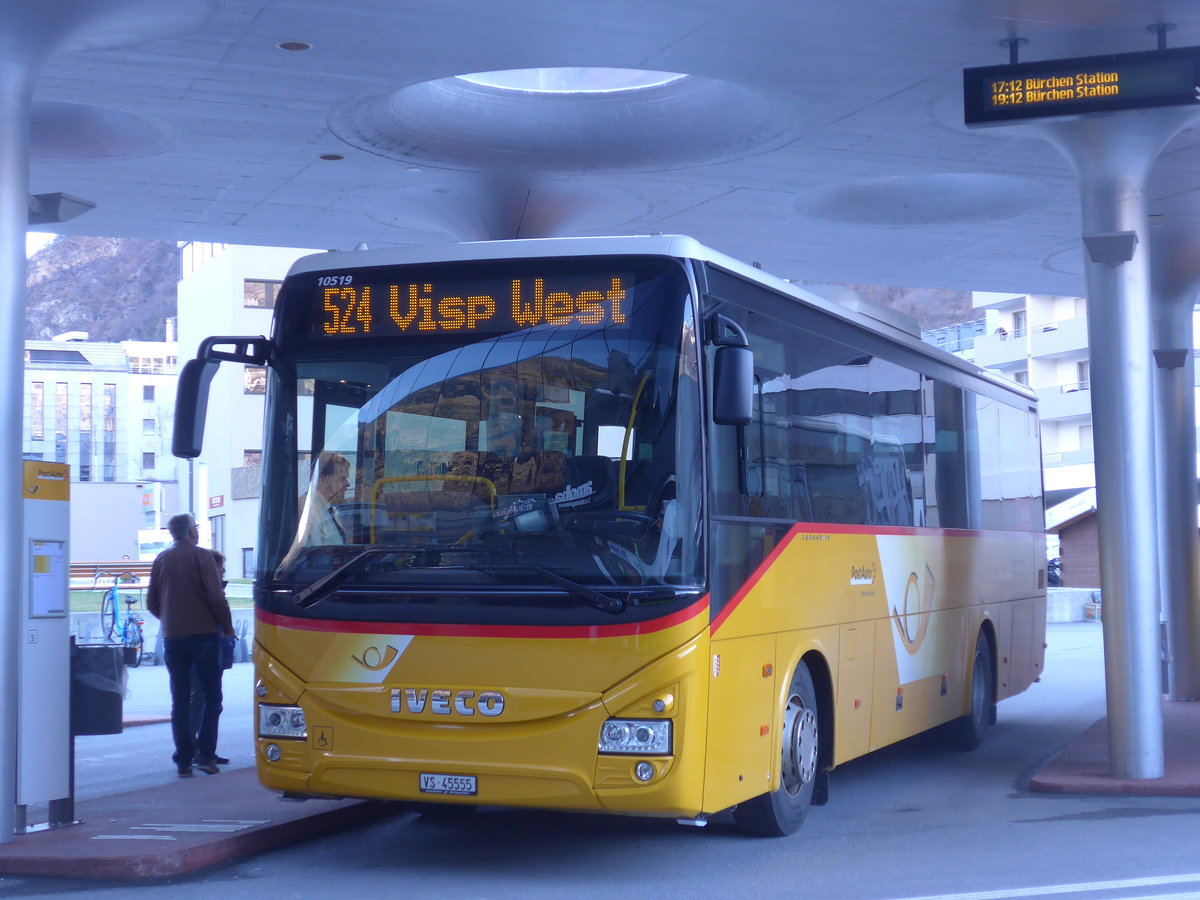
(824,140)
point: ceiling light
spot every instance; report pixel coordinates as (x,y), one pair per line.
(566,80)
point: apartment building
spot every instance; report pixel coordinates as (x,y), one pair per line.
(228,289)
(1041,341)
(106,409)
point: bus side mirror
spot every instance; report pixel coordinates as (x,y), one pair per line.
(191,405)
(733,385)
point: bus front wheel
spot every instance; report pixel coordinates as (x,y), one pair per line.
(782,811)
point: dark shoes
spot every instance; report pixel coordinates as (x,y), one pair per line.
(207,766)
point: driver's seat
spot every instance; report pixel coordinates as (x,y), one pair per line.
(591,483)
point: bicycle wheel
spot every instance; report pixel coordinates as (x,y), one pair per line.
(134,642)
(108,614)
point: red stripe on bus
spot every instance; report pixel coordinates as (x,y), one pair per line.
(542,632)
(750,582)
(820,528)
(828,528)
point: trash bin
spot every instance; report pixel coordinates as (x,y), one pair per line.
(97,688)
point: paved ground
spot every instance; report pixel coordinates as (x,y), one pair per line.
(139,821)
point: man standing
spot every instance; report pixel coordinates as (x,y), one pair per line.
(185,595)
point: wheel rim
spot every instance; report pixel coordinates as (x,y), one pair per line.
(799,746)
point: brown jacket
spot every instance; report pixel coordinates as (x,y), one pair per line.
(185,592)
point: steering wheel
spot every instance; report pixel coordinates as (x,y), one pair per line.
(611,522)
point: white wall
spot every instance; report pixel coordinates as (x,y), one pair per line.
(211,303)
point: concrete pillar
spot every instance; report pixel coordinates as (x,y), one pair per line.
(29,32)
(1175,280)
(16,87)
(1112,156)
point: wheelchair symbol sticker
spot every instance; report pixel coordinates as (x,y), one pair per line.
(323,737)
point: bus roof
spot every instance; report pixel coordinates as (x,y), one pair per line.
(881,320)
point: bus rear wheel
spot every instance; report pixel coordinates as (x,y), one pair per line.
(966,733)
(782,811)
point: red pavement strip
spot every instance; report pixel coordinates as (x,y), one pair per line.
(178,828)
(1082,768)
(133,721)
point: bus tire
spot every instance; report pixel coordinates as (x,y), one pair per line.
(782,811)
(966,732)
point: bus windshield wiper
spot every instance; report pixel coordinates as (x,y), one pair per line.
(603,602)
(326,586)
(425,557)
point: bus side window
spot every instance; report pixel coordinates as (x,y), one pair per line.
(750,459)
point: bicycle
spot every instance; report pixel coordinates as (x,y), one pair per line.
(118,629)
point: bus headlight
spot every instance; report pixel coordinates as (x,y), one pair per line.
(281,722)
(640,736)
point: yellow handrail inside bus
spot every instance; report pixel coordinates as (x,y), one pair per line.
(637,396)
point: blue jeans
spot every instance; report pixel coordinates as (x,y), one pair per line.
(194,656)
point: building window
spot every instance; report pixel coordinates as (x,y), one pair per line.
(37,411)
(147,365)
(148,461)
(1083,375)
(259,294)
(255,380)
(1018,322)
(251,458)
(217,526)
(85,431)
(85,456)
(148,393)
(1021,377)
(60,422)
(148,426)
(109,412)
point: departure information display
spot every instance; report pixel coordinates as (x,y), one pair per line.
(346,308)
(996,95)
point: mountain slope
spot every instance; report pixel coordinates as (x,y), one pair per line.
(114,289)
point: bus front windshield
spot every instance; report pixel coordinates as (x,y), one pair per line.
(554,461)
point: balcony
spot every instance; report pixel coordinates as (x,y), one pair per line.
(1066,338)
(1065,401)
(1003,349)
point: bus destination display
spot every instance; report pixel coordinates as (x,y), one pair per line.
(994,95)
(345,308)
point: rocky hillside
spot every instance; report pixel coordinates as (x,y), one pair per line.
(114,289)
(931,308)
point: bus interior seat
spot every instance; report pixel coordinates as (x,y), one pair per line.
(596,471)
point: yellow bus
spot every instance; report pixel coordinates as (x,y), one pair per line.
(621,525)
